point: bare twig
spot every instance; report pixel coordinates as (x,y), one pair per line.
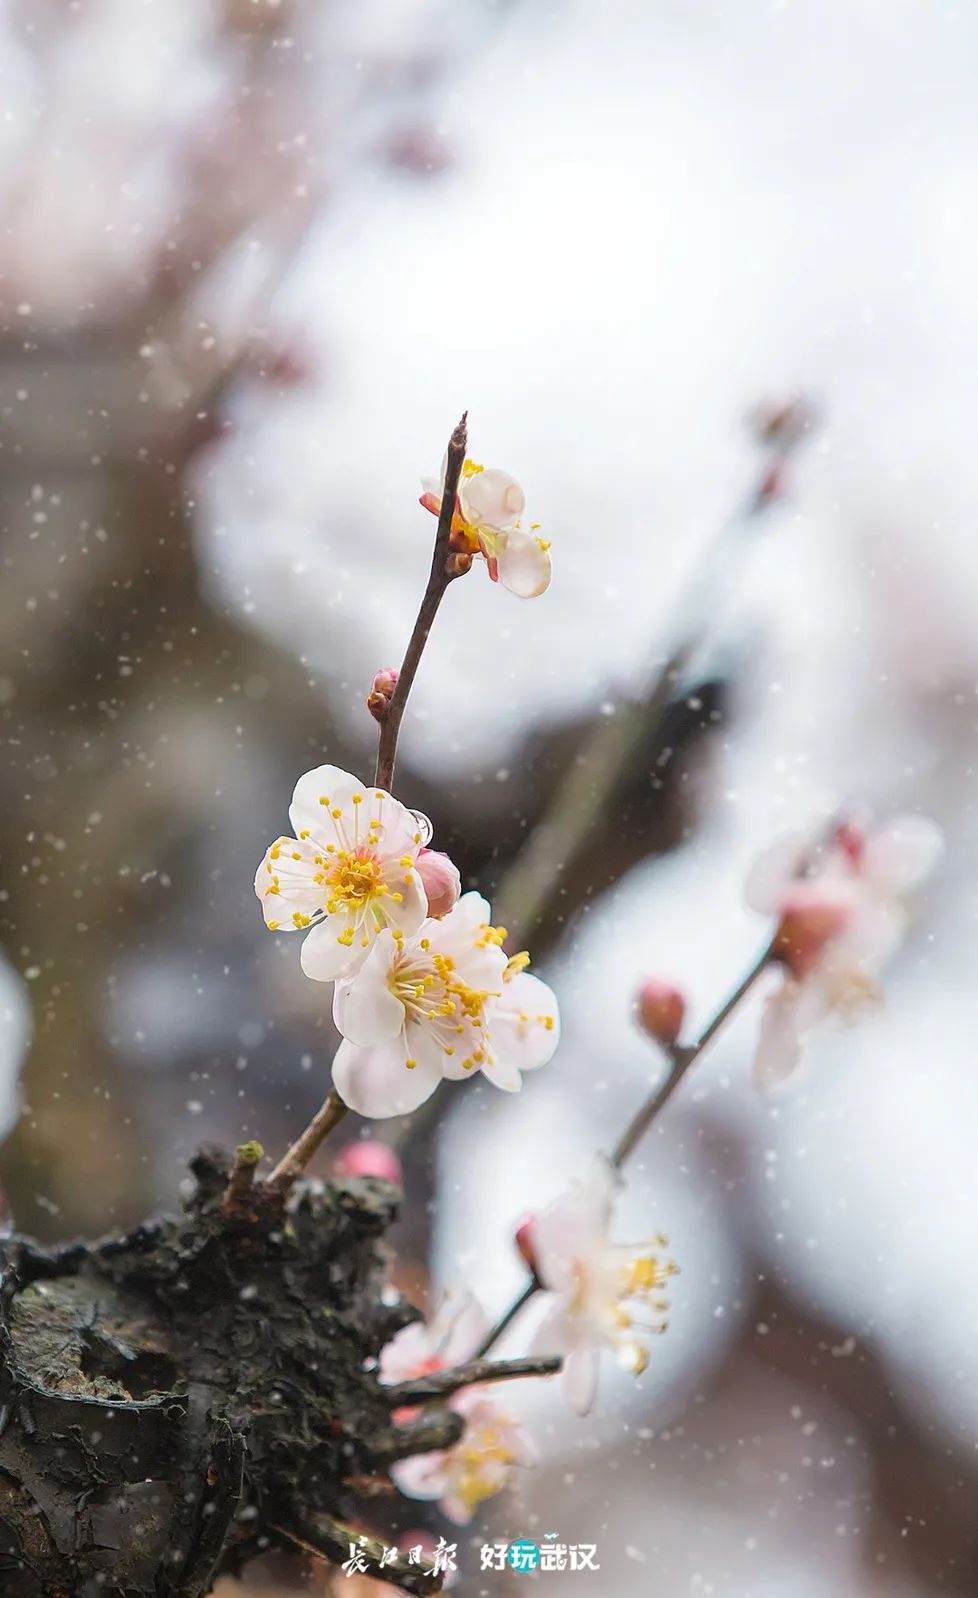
(438,580)
(440,1384)
(292,1164)
(503,1324)
(242,1178)
(434,1429)
(682,1057)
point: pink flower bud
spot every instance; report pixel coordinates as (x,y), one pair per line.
(661,1010)
(807,926)
(852,840)
(440,880)
(381,692)
(523,1237)
(369,1158)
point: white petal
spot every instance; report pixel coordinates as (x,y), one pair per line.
(318,792)
(787,1015)
(407,1353)
(558,1240)
(364,1008)
(468,1326)
(323,955)
(455,1509)
(377,1082)
(904,853)
(581,1376)
(773,872)
(471,913)
(524,564)
(491,497)
(466,1045)
(573,1228)
(421,1476)
(284,884)
(524,1023)
(552,1334)
(502,1074)
(407,915)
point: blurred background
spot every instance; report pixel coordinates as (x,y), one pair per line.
(256,256)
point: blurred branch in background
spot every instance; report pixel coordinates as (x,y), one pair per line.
(167,168)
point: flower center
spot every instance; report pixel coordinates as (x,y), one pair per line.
(353,879)
(482,1460)
(433,994)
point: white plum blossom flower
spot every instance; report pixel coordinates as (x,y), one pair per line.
(443,1003)
(486,521)
(604,1295)
(484,1460)
(842,912)
(450,1338)
(352,863)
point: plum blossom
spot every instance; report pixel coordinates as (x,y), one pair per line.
(486,1458)
(492,1445)
(443,1003)
(842,912)
(450,1338)
(596,1287)
(352,864)
(486,522)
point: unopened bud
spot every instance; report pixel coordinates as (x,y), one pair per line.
(851,838)
(369,1158)
(382,692)
(806,929)
(459,562)
(661,1010)
(440,880)
(524,1237)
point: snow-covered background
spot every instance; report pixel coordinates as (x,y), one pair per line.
(606,229)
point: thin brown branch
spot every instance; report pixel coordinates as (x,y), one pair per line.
(683,1057)
(440,1384)
(292,1164)
(432,1430)
(332,1111)
(503,1324)
(438,580)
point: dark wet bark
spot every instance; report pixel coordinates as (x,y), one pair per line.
(175,1400)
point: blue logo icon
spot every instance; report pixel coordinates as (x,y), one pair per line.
(523,1555)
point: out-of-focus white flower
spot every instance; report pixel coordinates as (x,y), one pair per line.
(445,1003)
(484,1460)
(450,1338)
(598,1287)
(842,911)
(441,880)
(352,863)
(486,522)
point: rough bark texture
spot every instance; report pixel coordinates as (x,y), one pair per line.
(174,1400)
